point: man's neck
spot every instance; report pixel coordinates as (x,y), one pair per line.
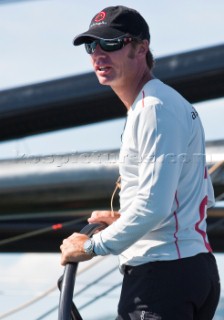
(129,92)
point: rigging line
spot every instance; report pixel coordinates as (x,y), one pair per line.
(215,167)
(39,215)
(86,304)
(95,281)
(100,296)
(220,197)
(47,313)
(27,304)
(214,225)
(47,292)
(54,227)
(93,263)
(79,292)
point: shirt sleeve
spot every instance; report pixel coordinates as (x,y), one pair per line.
(159,137)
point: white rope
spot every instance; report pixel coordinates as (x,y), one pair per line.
(27,304)
(47,292)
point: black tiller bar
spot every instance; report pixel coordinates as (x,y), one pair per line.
(67,309)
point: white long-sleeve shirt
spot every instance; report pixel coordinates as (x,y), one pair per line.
(165,186)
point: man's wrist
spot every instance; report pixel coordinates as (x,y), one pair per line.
(88,247)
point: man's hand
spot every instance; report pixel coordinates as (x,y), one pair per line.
(107,217)
(72,249)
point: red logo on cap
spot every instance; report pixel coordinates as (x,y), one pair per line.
(100,16)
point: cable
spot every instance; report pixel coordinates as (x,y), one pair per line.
(215,167)
(117,186)
(220,197)
(79,292)
(43,316)
(39,215)
(96,281)
(86,304)
(27,304)
(47,292)
(100,296)
(53,227)
(214,225)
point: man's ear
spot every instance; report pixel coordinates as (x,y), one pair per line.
(143,47)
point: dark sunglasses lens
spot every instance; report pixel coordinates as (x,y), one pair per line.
(111,45)
(90,47)
(106,45)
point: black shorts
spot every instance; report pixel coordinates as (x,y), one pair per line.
(184,289)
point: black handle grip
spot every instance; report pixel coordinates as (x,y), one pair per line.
(67,309)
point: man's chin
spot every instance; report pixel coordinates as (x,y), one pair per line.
(104,82)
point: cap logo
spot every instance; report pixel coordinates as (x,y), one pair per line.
(100,16)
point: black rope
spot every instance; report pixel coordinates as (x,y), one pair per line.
(54,227)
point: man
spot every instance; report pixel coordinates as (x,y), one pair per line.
(159,232)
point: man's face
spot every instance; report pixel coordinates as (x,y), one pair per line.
(115,68)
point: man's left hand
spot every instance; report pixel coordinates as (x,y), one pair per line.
(72,249)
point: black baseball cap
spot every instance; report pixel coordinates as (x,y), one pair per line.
(114,22)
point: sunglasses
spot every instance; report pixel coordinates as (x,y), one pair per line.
(108,45)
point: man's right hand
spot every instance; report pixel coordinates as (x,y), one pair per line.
(105,216)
